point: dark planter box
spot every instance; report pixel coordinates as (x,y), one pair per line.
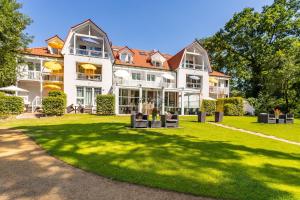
(201,117)
(219,116)
(155,124)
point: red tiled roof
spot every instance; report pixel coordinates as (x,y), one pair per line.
(141,58)
(218,74)
(41,51)
(175,61)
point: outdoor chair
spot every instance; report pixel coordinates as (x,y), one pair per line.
(262,118)
(281,119)
(170,120)
(289,119)
(70,108)
(139,120)
(271,119)
(80,109)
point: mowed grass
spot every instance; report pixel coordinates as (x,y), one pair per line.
(199,159)
(286,131)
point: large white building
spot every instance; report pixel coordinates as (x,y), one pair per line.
(87,64)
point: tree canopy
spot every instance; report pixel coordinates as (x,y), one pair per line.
(260,50)
(12,39)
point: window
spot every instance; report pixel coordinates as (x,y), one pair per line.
(151,77)
(31,66)
(193,81)
(87,95)
(136,76)
(126,58)
(157,63)
(226,83)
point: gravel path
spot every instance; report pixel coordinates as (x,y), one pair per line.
(27,172)
(256,133)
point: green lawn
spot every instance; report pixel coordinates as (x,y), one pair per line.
(286,131)
(200,159)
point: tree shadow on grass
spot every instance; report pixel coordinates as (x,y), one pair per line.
(171,161)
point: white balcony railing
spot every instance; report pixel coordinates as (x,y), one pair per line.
(144,83)
(218,90)
(89,77)
(53,77)
(193,85)
(89,53)
(30,75)
(193,66)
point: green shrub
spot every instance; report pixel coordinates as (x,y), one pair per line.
(2,94)
(11,105)
(236,101)
(105,104)
(231,110)
(58,93)
(53,106)
(208,106)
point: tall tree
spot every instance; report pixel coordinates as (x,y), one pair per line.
(249,43)
(12,39)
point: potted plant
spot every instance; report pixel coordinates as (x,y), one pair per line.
(155,123)
(202,114)
(219,111)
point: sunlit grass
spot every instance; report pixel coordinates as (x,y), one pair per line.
(286,131)
(200,159)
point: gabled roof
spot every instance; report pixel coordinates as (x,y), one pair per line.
(41,51)
(175,61)
(55,36)
(124,48)
(141,58)
(218,74)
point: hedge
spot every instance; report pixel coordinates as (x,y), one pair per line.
(53,106)
(236,109)
(105,104)
(58,93)
(2,94)
(208,106)
(11,105)
(231,110)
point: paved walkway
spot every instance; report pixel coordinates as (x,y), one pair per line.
(27,172)
(256,133)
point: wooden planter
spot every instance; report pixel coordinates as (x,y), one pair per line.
(201,117)
(219,116)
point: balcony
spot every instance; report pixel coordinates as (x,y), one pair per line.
(193,66)
(218,90)
(144,83)
(193,85)
(88,53)
(89,77)
(53,77)
(30,75)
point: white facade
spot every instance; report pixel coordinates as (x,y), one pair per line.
(89,69)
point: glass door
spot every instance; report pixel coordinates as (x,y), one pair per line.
(88,96)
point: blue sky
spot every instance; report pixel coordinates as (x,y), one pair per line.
(166,25)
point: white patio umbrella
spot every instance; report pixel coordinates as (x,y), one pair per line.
(122,73)
(195,77)
(209,98)
(168,76)
(13,88)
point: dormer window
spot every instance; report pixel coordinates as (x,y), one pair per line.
(156,63)
(126,58)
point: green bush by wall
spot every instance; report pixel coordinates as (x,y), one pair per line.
(208,106)
(235,107)
(58,93)
(11,105)
(53,106)
(105,104)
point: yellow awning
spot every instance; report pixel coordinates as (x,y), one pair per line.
(52,86)
(51,65)
(88,66)
(57,44)
(213,80)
